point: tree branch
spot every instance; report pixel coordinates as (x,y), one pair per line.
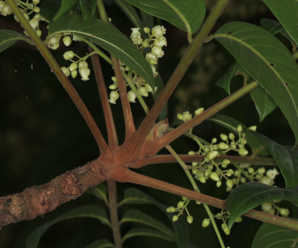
(111,130)
(38,200)
(159,159)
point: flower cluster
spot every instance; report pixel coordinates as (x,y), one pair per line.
(152,47)
(29,10)
(181,207)
(79,65)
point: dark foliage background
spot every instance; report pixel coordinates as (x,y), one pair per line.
(42,134)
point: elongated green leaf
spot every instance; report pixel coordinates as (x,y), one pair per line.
(186,15)
(100,192)
(137,216)
(263,102)
(253,138)
(268,61)
(66,5)
(88,8)
(9,37)
(249,195)
(145,232)
(286,159)
(131,13)
(135,196)
(109,38)
(272,26)
(286,11)
(101,243)
(271,236)
(225,81)
(90,211)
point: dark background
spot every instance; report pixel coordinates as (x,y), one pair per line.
(42,134)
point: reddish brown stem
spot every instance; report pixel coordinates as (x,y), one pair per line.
(111,130)
(159,159)
(39,200)
(122,174)
(128,118)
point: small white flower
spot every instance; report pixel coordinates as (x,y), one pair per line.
(67,40)
(114,95)
(84,72)
(151,58)
(161,42)
(65,71)
(136,36)
(83,64)
(156,50)
(131,96)
(158,31)
(34,23)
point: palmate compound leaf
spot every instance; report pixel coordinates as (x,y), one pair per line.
(136,196)
(268,61)
(271,236)
(9,37)
(107,37)
(250,195)
(91,211)
(186,15)
(286,11)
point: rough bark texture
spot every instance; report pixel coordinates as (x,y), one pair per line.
(38,200)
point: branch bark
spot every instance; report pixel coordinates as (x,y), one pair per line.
(38,200)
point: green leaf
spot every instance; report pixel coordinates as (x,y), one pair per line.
(137,216)
(249,195)
(100,192)
(131,13)
(272,26)
(90,211)
(225,81)
(186,15)
(145,232)
(253,138)
(9,37)
(101,243)
(272,236)
(109,38)
(286,159)
(268,61)
(88,8)
(263,102)
(66,5)
(136,196)
(286,11)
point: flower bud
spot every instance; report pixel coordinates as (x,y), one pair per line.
(239,128)
(74,73)
(199,111)
(223,137)
(242,152)
(253,128)
(284,212)
(214,176)
(175,218)
(212,155)
(146,30)
(189,219)
(83,64)
(65,71)
(66,40)
(68,55)
(171,209)
(205,222)
(223,146)
(34,23)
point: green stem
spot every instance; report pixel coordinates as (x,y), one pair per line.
(103,147)
(196,188)
(177,75)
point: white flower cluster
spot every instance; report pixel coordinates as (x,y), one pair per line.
(79,65)
(155,42)
(28,10)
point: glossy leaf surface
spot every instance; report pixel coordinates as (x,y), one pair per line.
(268,61)
(250,195)
(109,38)
(186,15)
(271,236)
